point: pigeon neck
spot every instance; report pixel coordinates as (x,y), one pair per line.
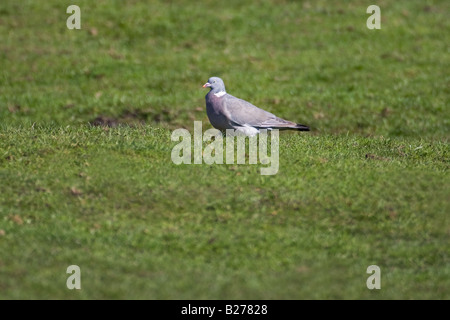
(220,93)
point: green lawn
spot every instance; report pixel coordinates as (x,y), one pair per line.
(87,179)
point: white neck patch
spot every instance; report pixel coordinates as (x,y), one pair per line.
(220,93)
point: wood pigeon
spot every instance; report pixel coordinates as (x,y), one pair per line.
(228,112)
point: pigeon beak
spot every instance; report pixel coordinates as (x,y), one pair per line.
(206,85)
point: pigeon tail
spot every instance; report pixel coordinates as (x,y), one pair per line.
(301,127)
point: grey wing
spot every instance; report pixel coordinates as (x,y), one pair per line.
(243,113)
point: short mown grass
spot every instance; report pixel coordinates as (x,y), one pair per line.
(87,179)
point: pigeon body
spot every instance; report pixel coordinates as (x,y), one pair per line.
(228,112)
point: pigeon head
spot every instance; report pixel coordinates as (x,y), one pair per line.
(216,84)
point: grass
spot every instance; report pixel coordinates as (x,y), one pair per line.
(369,185)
